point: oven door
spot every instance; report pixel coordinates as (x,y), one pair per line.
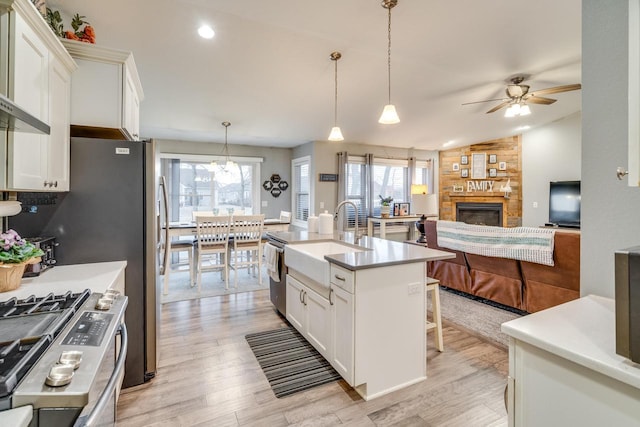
(101,411)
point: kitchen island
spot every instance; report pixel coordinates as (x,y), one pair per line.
(364,309)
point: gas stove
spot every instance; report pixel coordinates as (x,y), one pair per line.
(58,354)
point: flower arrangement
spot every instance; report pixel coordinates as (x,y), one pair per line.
(82,31)
(14,249)
(385,201)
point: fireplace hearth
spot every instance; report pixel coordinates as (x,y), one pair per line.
(479,213)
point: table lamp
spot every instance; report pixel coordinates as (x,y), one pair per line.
(419,204)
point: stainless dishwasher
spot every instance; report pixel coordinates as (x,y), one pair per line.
(278,288)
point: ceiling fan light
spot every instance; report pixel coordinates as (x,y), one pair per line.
(336,134)
(389,115)
(509,112)
(525,110)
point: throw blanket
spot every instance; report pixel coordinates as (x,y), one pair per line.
(521,243)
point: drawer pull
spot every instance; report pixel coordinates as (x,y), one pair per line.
(330,300)
(342,279)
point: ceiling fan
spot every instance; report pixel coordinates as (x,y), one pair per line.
(518,96)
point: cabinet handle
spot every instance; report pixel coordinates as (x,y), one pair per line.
(46,183)
(304,298)
(55,184)
(330,293)
(339,277)
(300,297)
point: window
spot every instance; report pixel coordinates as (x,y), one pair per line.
(390,178)
(194,184)
(356,191)
(301,190)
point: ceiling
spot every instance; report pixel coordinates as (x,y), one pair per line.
(268,71)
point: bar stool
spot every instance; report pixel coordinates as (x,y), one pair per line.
(433,286)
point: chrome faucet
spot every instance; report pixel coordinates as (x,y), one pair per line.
(355,208)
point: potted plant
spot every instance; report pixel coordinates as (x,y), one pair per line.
(15,254)
(385,206)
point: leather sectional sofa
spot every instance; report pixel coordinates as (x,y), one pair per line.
(523,285)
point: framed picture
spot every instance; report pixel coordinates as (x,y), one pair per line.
(464,160)
(464,173)
(478,166)
(493,172)
(493,159)
(404,209)
(456,167)
(502,166)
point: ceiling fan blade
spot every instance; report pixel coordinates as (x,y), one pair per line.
(540,100)
(499,106)
(486,100)
(557,89)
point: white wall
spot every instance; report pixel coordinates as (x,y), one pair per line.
(610,209)
(549,153)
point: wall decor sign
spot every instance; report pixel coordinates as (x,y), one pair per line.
(464,160)
(493,172)
(328,177)
(456,167)
(478,166)
(502,166)
(493,158)
(464,173)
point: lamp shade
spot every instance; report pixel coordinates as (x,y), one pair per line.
(336,134)
(419,203)
(419,189)
(389,115)
(432,205)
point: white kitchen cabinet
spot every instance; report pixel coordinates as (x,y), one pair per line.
(309,313)
(341,357)
(38,80)
(296,311)
(564,370)
(105,90)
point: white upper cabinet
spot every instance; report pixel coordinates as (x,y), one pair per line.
(36,72)
(105,91)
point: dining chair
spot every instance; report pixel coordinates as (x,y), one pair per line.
(177,246)
(247,244)
(212,246)
(196,214)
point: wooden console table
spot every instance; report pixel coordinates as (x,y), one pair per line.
(392,219)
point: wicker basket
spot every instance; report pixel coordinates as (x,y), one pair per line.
(11,274)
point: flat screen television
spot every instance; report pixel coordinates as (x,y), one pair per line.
(564,203)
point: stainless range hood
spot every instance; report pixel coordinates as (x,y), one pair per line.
(15,118)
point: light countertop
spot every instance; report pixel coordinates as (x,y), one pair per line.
(76,278)
(383,252)
(581,331)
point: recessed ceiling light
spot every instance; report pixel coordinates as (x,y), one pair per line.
(448,143)
(206,32)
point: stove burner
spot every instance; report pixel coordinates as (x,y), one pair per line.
(16,357)
(49,303)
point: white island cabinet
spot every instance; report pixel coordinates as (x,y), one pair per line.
(564,371)
(369,323)
(37,77)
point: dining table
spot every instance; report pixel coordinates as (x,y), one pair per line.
(188,228)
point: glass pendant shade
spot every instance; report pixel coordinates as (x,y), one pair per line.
(525,110)
(336,134)
(389,115)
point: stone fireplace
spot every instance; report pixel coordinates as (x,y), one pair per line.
(479,213)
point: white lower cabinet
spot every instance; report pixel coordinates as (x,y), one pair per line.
(342,324)
(309,313)
(371,326)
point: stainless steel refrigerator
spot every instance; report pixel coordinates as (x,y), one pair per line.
(110,214)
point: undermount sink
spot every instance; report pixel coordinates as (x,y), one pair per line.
(308,258)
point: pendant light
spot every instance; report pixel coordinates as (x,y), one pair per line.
(336,133)
(225,150)
(389,115)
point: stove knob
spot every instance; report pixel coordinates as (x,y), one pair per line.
(59,375)
(104,304)
(71,358)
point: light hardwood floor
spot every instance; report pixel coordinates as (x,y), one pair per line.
(208,376)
